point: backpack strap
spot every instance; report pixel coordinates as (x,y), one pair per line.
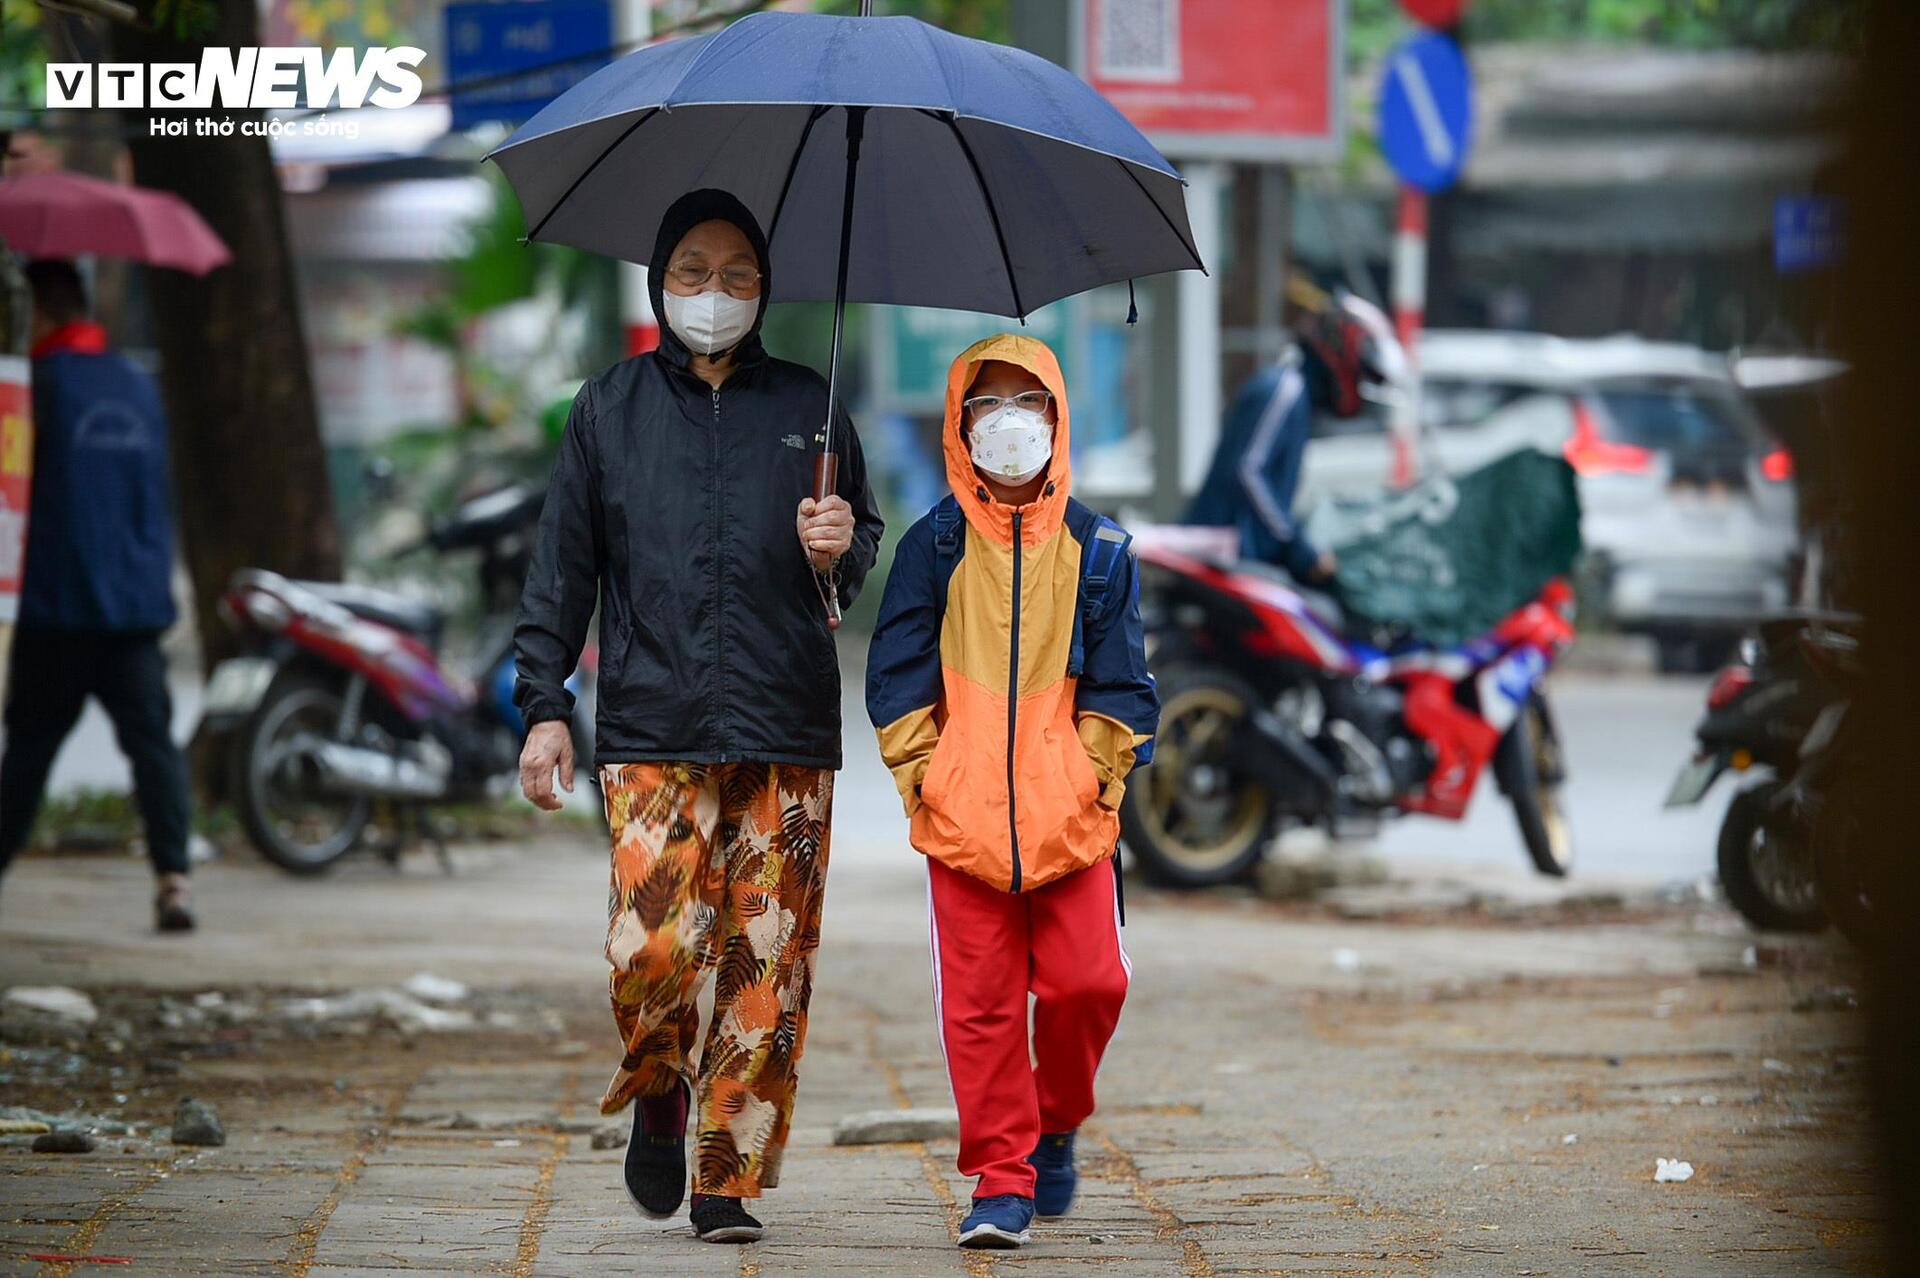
(949,531)
(1102,544)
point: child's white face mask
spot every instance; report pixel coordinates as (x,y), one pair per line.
(1013,445)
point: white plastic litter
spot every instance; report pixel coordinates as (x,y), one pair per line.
(1671,1171)
(429,988)
(1571,1138)
(60,1001)
(1346,960)
(1776,1067)
(399,1009)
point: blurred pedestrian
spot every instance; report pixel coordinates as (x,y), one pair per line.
(1255,473)
(718,733)
(1008,682)
(96,584)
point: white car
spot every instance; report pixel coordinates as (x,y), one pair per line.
(1688,505)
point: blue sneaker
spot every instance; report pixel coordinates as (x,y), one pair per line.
(999,1222)
(1054,1178)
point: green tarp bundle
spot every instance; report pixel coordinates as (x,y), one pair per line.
(1446,559)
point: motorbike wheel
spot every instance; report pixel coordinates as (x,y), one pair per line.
(1765,867)
(1189,819)
(1528,766)
(294,824)
(1839,873)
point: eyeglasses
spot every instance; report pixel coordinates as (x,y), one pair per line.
(735,279)
(981,407)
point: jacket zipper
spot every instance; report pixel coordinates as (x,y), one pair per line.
(1013,701)
(719,574)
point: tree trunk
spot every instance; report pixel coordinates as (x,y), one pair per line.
(94,148)
(248,463)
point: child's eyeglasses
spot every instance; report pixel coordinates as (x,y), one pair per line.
(981,407)
(735,279)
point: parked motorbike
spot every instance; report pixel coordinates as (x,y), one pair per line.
(1835,769)
(341,700)
(1761,711)
(1272,714)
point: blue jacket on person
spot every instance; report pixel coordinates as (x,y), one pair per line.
(99,550)
(1256,468)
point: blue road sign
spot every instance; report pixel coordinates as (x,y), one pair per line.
(487,42)
(1426,111)
(1806,233)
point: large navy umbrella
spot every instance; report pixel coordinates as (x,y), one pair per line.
(889,161)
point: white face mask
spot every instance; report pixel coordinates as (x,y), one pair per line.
(710,323)
(1013,445)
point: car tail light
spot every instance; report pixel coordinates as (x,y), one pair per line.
(1728,685)
(1590,454)
(1777,466)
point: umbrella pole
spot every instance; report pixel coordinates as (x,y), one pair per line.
(826,465)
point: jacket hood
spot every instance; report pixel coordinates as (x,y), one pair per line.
(685,213)
(1043,517)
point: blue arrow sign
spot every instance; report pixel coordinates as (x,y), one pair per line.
(1426,111)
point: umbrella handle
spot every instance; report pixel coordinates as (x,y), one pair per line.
(826,469)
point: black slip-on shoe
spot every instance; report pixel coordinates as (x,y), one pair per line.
(657,1162)
(723,1220)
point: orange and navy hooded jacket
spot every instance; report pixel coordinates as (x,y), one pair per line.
(1009,710)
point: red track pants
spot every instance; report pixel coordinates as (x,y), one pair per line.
(1061,943)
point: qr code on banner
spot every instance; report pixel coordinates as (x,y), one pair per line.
(1137,39)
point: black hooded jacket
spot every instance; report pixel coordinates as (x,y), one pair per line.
(676,503)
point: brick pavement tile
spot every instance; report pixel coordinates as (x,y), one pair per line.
(441,1217)
(213,1220)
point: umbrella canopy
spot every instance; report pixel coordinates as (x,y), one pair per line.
(989,179)
(67,214)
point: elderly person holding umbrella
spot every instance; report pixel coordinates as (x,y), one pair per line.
(992,180)
(677,498)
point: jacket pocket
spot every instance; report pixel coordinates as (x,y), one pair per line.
(1086,781)
(1074,763)
(937,784)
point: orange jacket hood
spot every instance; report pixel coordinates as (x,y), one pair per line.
(1041,518)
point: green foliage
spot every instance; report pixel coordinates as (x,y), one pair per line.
(494,269)
(1373,25)
(189,21)
(110,819)
(23,57)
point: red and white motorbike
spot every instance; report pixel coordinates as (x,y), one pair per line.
(1272,714)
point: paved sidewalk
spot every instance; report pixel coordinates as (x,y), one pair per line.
(1287,1094)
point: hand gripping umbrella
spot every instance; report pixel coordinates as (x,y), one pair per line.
(992,180)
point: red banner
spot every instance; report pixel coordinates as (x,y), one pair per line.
(1221,79)
(16,479)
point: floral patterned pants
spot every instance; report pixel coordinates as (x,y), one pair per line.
(717,869)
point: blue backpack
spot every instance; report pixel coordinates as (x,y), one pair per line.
(1102,542)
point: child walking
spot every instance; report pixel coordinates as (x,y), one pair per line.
(1008,683)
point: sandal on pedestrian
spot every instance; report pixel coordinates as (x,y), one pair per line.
(657,1153)
(723,1220)
(173,906)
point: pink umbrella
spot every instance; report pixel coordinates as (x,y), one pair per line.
(66,214)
